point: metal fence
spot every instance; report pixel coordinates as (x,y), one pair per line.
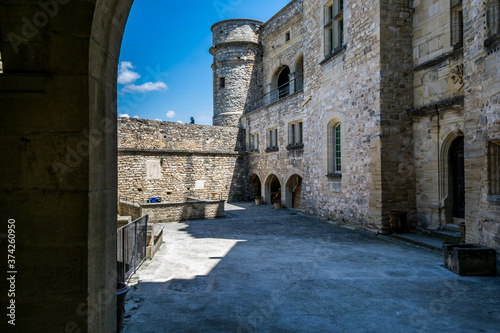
(282,91)
(131,247)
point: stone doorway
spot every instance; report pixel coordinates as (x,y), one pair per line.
(456,181)
(273,190)
(293,192)
(255,186)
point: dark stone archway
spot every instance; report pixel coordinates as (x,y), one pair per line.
(255,186)
(457,177)
(58,93)
(293,192)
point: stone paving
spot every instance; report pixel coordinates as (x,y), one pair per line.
(266,270)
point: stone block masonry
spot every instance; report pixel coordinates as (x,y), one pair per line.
(174,161)
(412,88)
(183,211)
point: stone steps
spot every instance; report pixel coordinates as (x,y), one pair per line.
(431,239)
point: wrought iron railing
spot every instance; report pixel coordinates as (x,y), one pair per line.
(131,247)
(282,91)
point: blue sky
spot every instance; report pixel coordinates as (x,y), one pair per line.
(165,67)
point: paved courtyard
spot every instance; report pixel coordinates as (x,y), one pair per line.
(266,270)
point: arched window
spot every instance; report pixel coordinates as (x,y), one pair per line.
(334,148)
(280,85)
(284,82)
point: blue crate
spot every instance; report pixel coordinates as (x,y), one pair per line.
(154,199)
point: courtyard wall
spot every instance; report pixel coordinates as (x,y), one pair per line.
(175,161)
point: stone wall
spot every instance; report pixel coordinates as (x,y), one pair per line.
(278,51)
(183,211)
(481,126)
(59,185)
(282,162)
(344,88)
(174,161)
(396,167)
(402,94)
(131,209)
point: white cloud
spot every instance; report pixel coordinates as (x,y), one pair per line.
(136,117)
(125,73)
(123,115)
(180,122)
(204,118)
(146,87)
(170,114)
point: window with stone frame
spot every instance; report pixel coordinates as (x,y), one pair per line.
(493,17)
(334,149)
(457,24)
(254,142)
(494,171)
(222,82)
(272,138)
(295,133)
(333,26)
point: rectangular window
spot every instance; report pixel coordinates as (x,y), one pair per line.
(254,142)
(272,138)
(493,17)
(334,26)
(291,134)
(295,136)
(457,24)
(222,82)
(494,169)
(287,36)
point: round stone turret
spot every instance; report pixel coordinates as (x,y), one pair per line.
(237,79)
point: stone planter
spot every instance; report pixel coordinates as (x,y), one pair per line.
(258,201)
(469,259)
(277,205)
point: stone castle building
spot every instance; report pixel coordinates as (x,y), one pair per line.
(388,72)
(354,108)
